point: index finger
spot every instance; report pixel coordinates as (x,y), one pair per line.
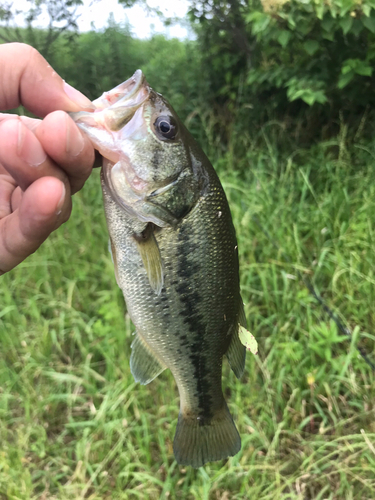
(26,78)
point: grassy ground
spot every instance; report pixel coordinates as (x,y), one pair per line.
(74,425)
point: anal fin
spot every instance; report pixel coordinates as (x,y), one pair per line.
(143,363)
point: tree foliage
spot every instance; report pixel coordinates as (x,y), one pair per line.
(98,61)
(276,58)
(315,49)
(62,17)
(306,63)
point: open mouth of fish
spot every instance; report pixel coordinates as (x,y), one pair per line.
(118,115)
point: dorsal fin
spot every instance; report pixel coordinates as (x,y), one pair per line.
(236,352)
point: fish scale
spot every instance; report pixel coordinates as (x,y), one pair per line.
(175,255)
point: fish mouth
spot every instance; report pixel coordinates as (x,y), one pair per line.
(113,111)
(105,127)
(126,91)
(115,108)
(119,107)
(120,104)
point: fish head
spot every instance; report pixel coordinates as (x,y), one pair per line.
(145,150)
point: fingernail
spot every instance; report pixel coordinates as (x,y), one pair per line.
(28,147)
(74,139)
(61,201)
(77,97)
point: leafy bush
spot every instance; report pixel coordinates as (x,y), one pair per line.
(317,51)
(297,58)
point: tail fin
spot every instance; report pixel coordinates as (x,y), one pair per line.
(197,442)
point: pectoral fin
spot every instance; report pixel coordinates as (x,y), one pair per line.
(151,258)
(143,363)
(112,251)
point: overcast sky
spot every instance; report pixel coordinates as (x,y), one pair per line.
(95,14)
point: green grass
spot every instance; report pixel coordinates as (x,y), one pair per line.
(74,425)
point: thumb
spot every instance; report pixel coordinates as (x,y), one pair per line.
(26,78)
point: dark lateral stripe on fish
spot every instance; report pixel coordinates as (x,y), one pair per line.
(194,321)
(203,387)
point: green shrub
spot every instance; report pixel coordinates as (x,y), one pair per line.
(318,51)
(304,59)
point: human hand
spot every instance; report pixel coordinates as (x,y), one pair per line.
(42,162)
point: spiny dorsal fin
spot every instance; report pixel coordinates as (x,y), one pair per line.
(143,363)
(151,258)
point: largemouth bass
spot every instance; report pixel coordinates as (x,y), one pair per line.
(175,256)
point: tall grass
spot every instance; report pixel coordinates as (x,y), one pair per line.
(74,425)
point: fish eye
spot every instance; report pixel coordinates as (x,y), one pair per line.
(166,127)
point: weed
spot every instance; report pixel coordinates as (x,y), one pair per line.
(74,425)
